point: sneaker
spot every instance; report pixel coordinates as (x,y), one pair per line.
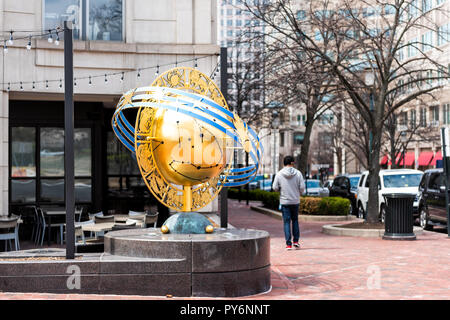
(296,245)
(289,247)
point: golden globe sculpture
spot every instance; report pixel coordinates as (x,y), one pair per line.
(184,137)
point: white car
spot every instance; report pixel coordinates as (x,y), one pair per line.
(313,188)
(390,181)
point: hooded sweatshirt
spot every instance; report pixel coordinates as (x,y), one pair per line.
(289,181)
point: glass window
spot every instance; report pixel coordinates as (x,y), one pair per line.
(82,150)
(402,180)
(312,184)
(23,152)
(83,190)
(361,180)
(52,190)
(23,190)
(435,181)
(105,20)
(58,11)
(354,182)
(52,152)
(120,160)
(298,138)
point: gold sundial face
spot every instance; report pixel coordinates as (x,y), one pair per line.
(181,159)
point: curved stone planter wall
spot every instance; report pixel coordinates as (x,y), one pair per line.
(365,233)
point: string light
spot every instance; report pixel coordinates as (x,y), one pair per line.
(105,75)
(29,43)
(9,86)
(195,65)
(34,87)
(5,48)
(57,39)
(11,39)
(50,36)
(74,82)
(21,86)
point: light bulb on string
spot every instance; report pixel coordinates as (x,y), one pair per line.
(46,84)
(122,76)
(11,39)
(9,86)
(195,65)
(157,71)
(21,86)
(50,37)
(5,48)
(106,79)
(74,82)
(57,39)
(90,80)
(29,43)
(60,84)
(34,86)
(139,73)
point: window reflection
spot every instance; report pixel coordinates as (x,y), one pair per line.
(58,11)
(23,191)
(82,151)
(52,152)
(52,190)
(83,190)
(105,20)
(23,152)
(120,160)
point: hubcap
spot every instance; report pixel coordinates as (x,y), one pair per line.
(383,215)
(360,212)
(423,219)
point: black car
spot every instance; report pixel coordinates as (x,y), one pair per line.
(345,186)
(432,199)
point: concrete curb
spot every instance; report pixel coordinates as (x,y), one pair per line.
(364,233)
(304,218)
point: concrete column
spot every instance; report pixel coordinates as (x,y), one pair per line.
(4,128)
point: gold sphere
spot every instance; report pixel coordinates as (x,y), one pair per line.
(165,229)
(209,229)
(189,154)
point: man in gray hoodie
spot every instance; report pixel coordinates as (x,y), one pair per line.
(289,181)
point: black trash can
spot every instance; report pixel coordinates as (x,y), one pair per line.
(399,221)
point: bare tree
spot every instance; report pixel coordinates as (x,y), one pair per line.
(367,57)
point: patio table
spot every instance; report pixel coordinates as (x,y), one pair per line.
(54,212)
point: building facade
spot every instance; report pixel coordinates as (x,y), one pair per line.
(119,44)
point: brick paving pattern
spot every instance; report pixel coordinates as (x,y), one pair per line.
(331,267)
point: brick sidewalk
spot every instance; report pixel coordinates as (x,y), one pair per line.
(329,267)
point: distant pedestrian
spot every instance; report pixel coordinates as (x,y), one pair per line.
(289,181)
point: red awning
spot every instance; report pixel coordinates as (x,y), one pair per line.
(438,156)
(425,158)
(384,160)
(410,157)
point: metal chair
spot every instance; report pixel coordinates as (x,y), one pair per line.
(103,219)
(45,225)
(79,230)
(137,216)
(7,233)
(151,219)
(92,215)
(35,236)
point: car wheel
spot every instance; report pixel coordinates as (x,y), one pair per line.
(360,212)
(423,219)
(383,214)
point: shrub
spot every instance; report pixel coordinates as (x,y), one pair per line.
(326,206)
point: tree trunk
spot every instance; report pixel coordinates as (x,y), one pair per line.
(374,171)
(304,151)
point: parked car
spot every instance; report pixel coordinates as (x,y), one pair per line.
(389,181)
(328,184)
(314,188)
(345,186)
(432,199)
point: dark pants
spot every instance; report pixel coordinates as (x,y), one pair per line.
(290,213)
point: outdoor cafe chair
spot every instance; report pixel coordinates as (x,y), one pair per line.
(79,230)
(36,232)
(46,225)
(92,215)
(103,219)
(151,219)
(9,230)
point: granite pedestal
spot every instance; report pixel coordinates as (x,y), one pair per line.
(226,263)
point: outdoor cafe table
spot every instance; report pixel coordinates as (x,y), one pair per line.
(53,212)
(98,227)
